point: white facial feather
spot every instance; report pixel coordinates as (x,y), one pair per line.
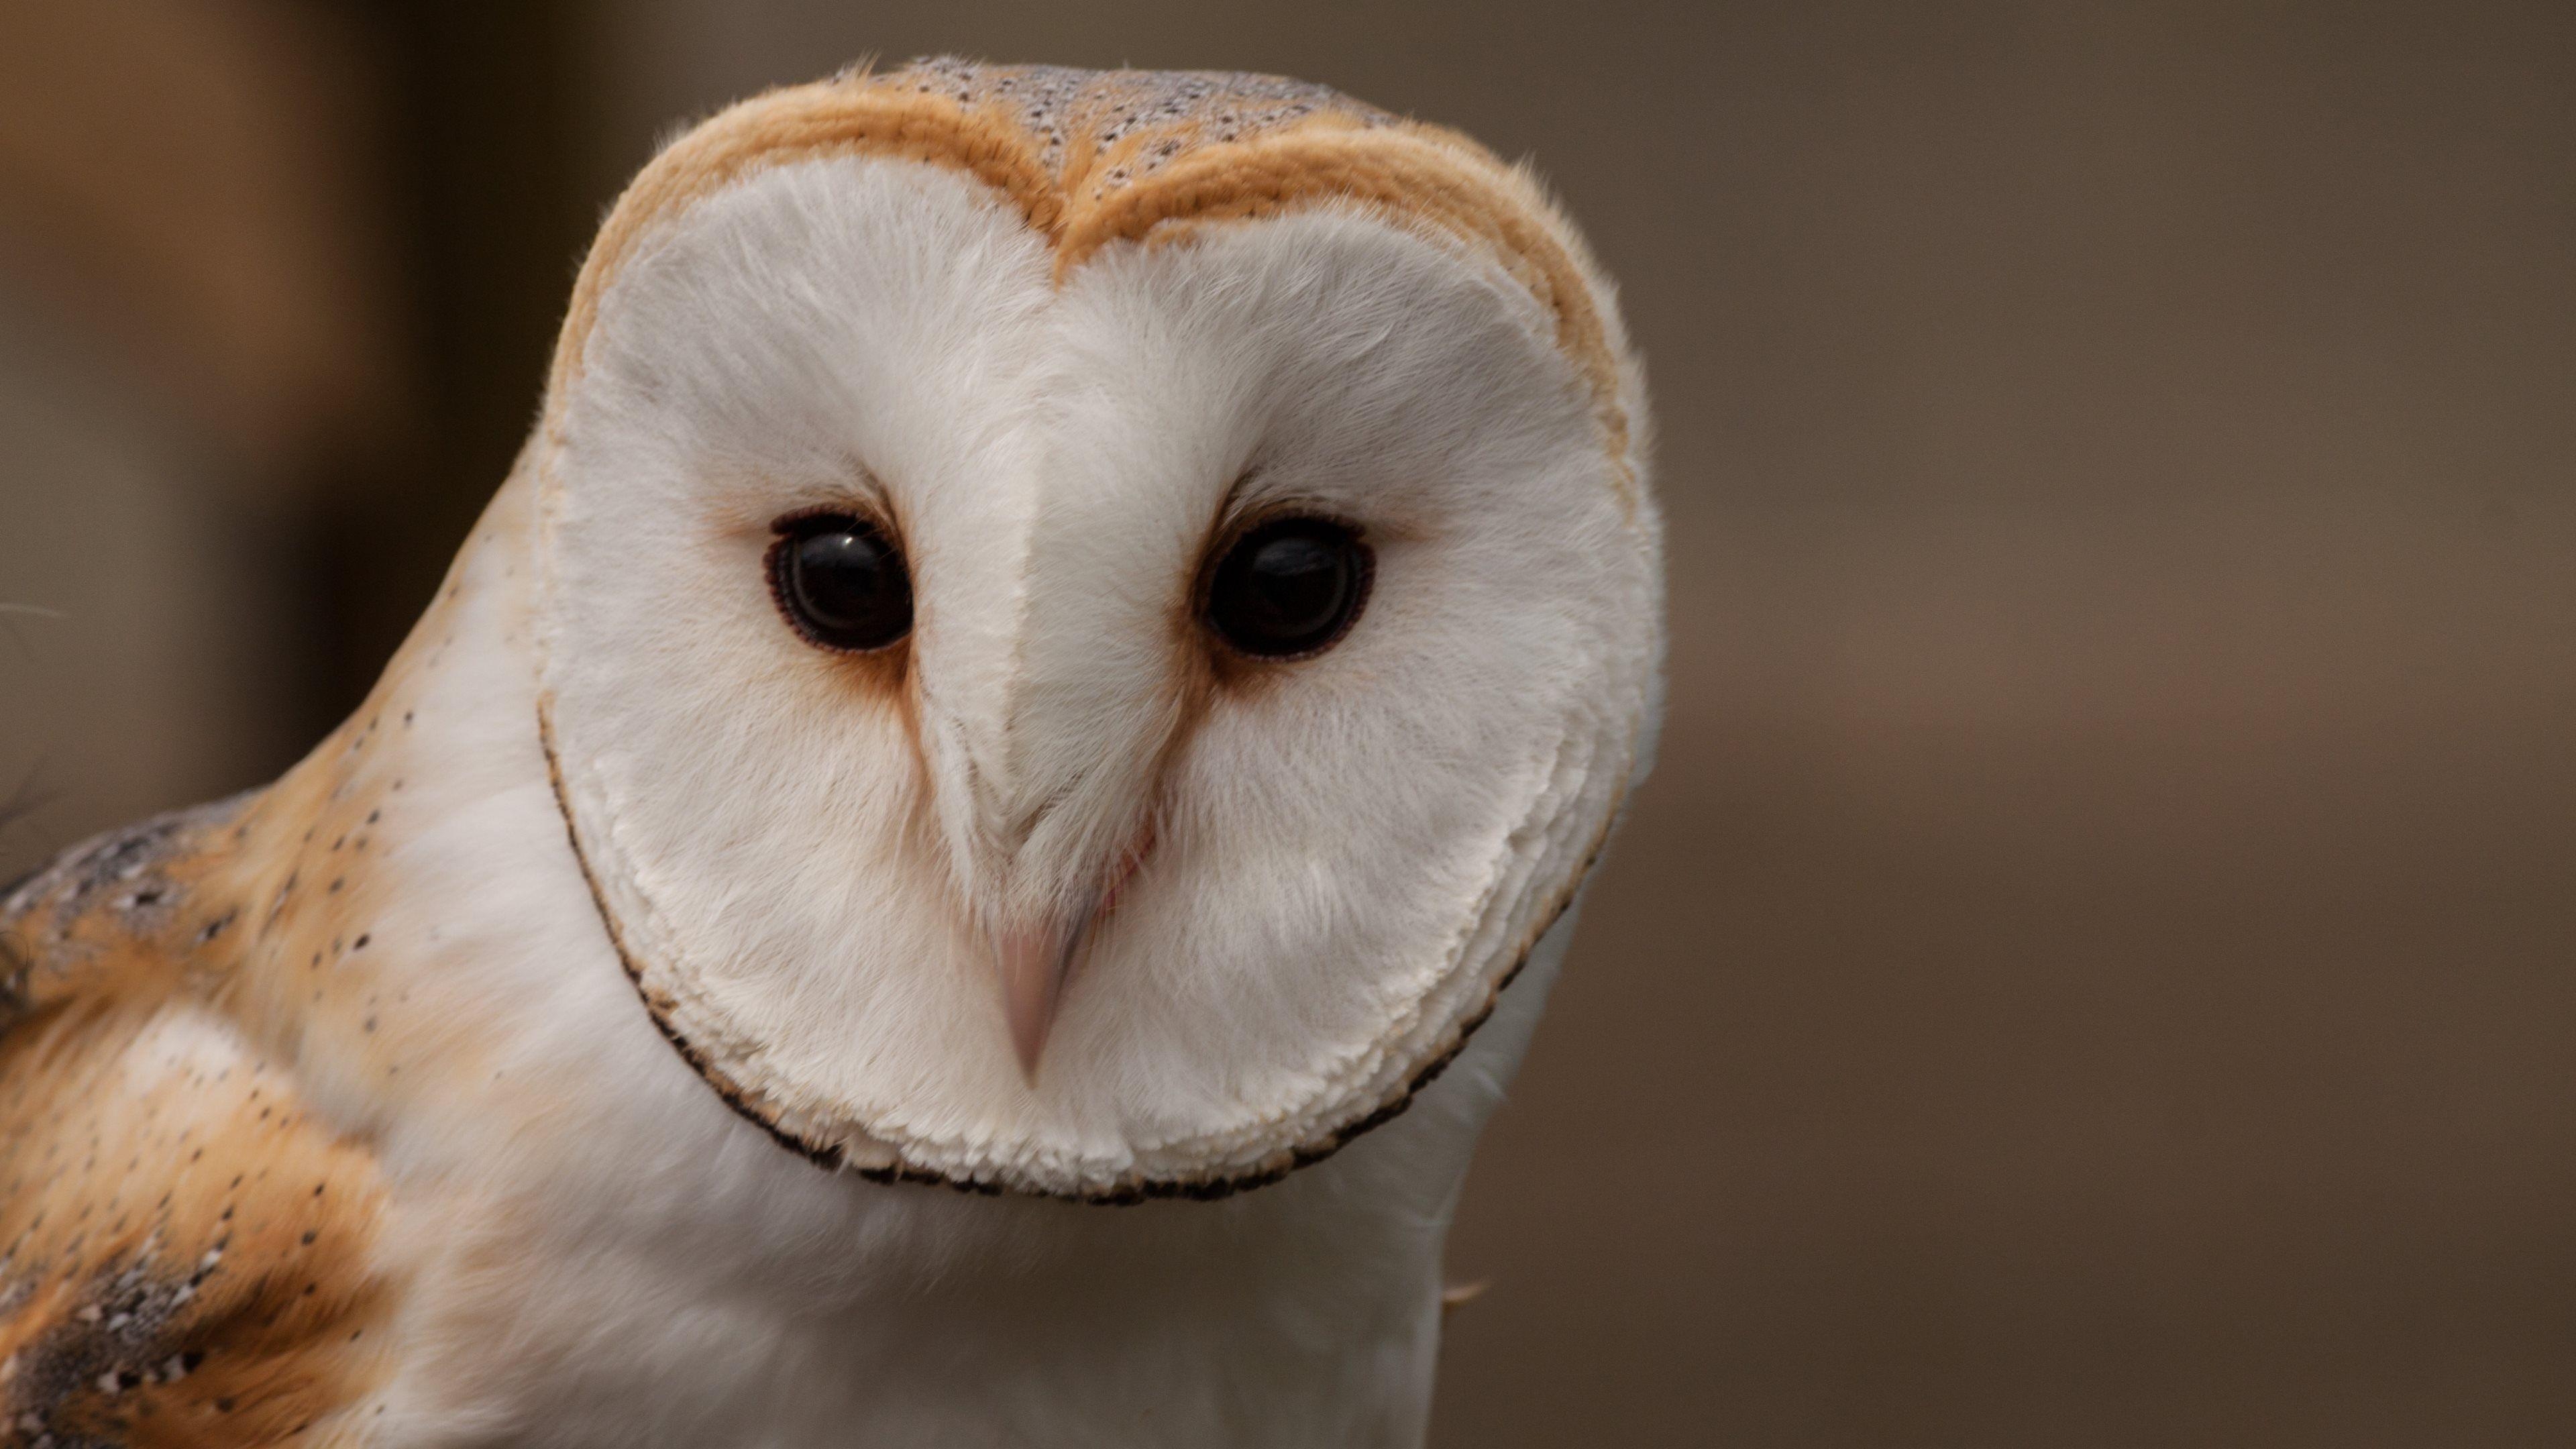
(1350,853)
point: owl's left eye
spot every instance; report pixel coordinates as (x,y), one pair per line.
(1289,588)
(841,582)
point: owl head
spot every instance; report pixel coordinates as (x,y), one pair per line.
(1088,622)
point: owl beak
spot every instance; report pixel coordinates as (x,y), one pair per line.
(1033,967)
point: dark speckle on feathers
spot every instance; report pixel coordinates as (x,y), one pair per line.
(1064,107)
(116,1317)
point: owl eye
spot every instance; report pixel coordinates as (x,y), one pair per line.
(840,581)
(1290,587)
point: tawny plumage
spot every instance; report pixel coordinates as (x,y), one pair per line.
(1061,634)
(189,1249)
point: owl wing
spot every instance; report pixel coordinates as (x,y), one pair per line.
(184,1246)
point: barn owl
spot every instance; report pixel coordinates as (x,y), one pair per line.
(960,858)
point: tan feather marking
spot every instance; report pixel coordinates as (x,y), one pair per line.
(1416,173)
(800,125)
(1096,158)
(184,1249)
(1459,1295)
(313,975)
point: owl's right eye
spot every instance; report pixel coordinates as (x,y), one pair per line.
(841,582)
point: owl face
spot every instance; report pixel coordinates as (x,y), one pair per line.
(1091,725)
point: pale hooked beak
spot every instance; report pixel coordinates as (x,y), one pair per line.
(1035,964)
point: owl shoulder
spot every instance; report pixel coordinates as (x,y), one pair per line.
(184,1246)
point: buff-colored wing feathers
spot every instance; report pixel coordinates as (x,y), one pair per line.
(184,1248)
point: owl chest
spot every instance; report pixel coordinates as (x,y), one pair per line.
(908,1315)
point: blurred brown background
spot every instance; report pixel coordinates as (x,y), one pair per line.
(2098,963)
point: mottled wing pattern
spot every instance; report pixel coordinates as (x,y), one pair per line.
(184,1248)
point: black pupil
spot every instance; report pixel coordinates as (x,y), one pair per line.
(846,584)
(1288,587)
